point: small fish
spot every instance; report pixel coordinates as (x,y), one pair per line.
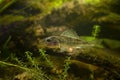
(68,41)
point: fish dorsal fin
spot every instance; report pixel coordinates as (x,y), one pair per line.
(70,33)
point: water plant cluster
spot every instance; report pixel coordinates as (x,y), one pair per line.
(32,68)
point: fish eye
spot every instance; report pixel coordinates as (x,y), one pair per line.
(48,40)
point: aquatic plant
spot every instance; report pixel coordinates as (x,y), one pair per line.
(95,31)
(4,4)
(37,71)
(92,1)
(30,59)
(64,74)
(45,56)
(32,70)
(6,43)
(5,49)
(8,19)
(94,34)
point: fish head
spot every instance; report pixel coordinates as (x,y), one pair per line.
(52,42)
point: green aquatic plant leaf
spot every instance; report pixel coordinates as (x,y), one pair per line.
(1,1)
(96,30)
(8,19)
(5,4)
(87,38)
(42,52)
(5,52)
(6,43)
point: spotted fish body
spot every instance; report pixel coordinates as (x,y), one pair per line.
(68,41)
(91,53)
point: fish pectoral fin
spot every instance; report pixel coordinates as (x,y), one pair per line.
(62,49)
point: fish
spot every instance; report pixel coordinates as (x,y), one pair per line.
(70,44)
(67,41)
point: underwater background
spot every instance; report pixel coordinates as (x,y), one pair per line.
(59,40)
